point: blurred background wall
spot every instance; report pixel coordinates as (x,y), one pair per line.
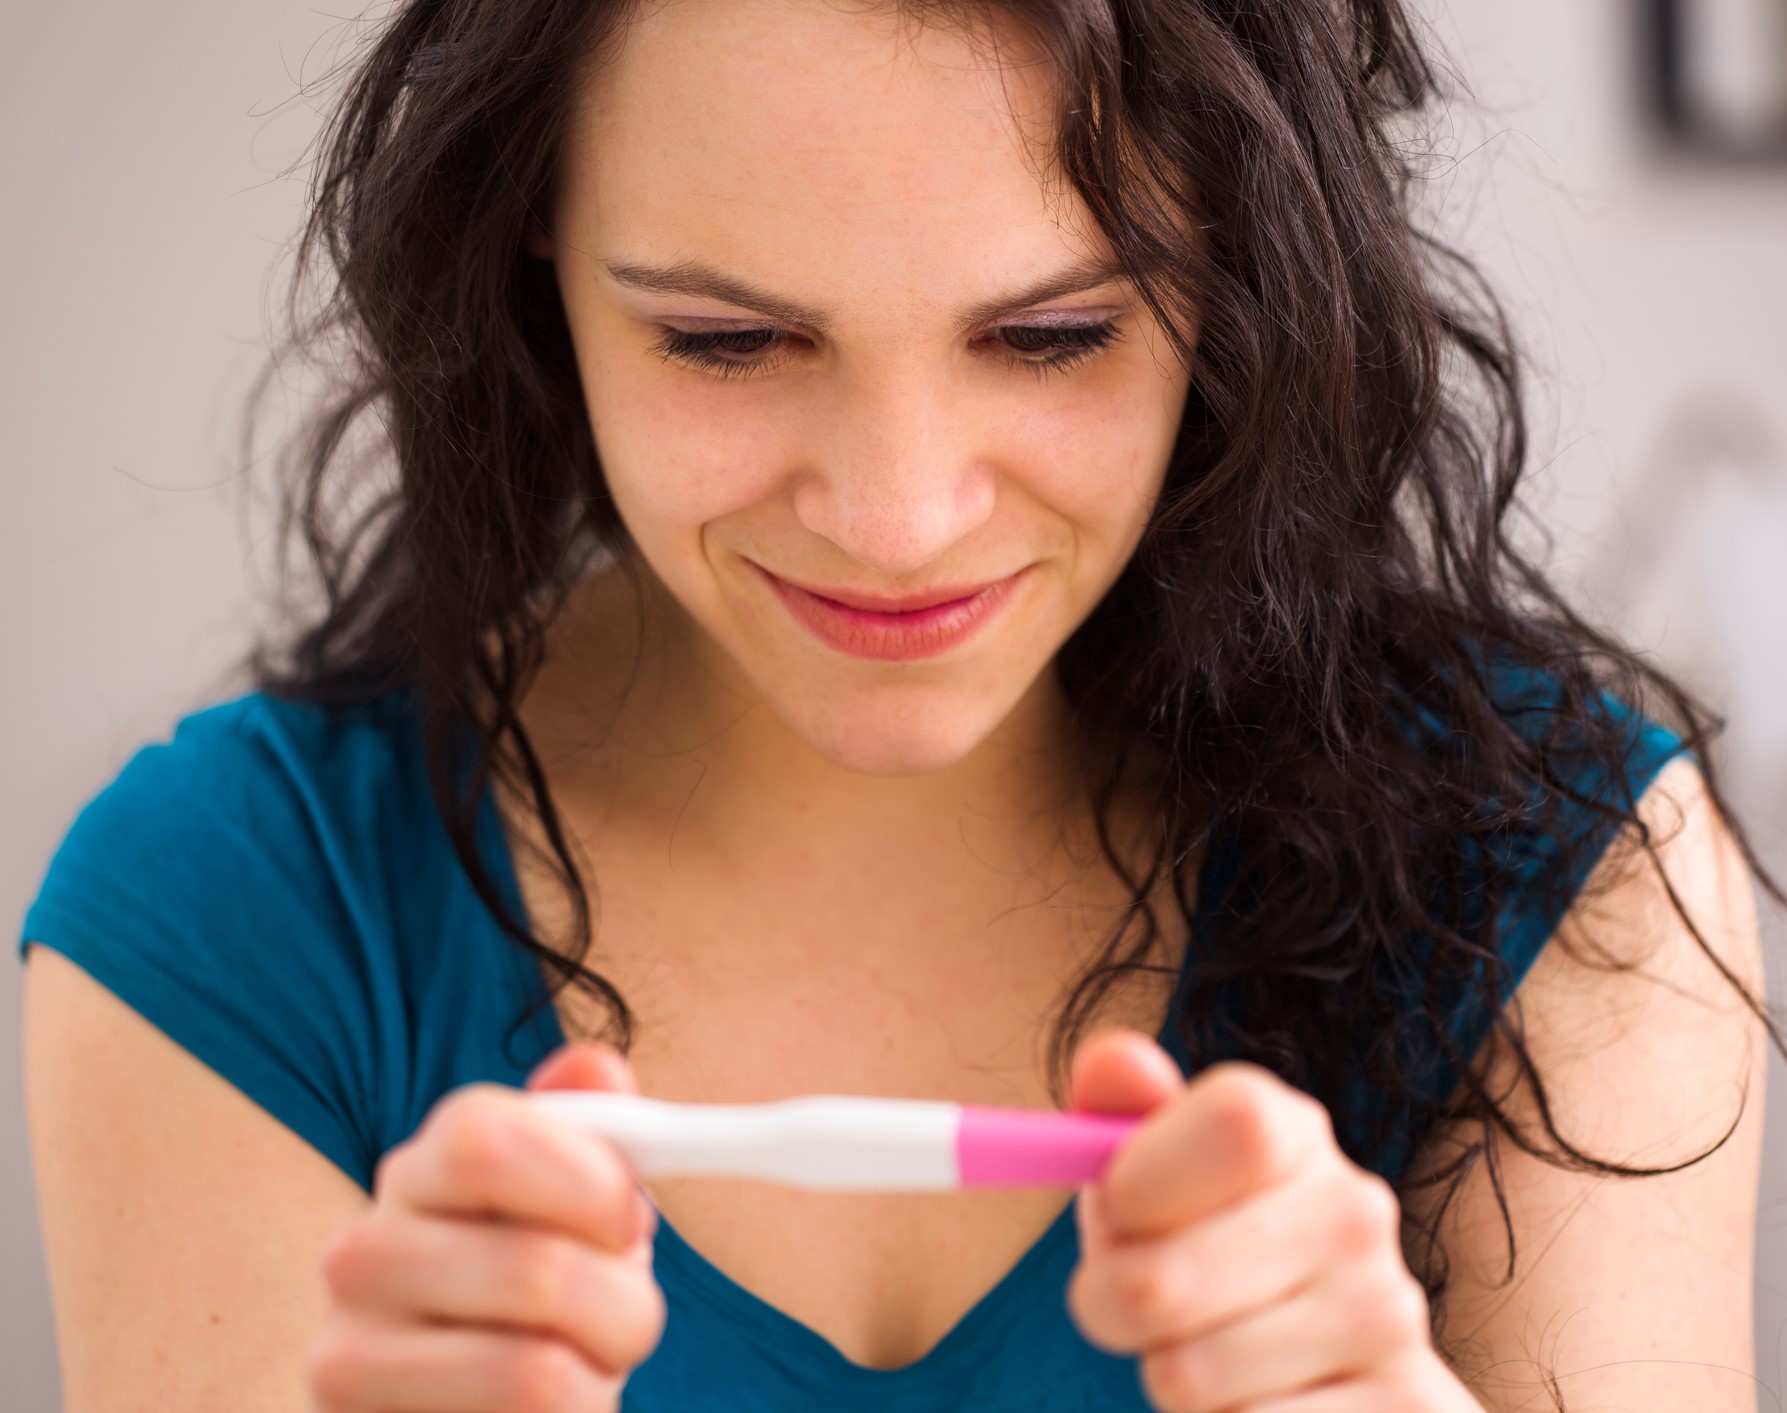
(143,150)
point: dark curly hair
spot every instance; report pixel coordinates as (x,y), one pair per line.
(1328,563)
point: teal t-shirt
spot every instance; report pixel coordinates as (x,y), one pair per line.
(273,889)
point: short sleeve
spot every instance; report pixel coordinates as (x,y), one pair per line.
(1544,872)
(1538,871)
(197,888)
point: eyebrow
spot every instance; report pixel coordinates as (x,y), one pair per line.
(693,278)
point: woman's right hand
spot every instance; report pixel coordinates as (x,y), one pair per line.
(505,1263)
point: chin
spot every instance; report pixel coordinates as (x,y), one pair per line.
(894,737)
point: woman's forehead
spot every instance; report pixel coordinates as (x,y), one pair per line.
(770,134)
(850,115)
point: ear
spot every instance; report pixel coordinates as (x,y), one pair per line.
(537,240)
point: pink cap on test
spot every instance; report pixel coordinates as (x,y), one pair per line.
(1023,1147)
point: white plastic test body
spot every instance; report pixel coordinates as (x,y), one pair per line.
(842,1141)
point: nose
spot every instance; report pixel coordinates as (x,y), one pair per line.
(898,480)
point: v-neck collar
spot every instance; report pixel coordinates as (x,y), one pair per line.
(1056,1249)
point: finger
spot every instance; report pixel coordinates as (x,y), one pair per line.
(585,1065)
(1234,1129)
(1418,1381)
(1128,1295)
(452,1369)
(594,1065)
(1122,1071)
(486,1151)
(1323,1333)
(410,1266)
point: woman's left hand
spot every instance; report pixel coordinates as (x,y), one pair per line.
(1237,1250)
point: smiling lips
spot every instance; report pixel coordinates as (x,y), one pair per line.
(894,630)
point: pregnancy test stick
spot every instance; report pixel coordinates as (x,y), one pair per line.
(849,1141)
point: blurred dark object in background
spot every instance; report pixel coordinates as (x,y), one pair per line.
(1716,76)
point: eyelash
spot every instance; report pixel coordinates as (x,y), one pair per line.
(1074,344)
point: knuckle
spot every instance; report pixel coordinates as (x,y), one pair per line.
(474,1145)
(1140,1289)
(542,1275)
(1265,1123)
(1078,1304)
(1367,1214)
(1406,1386)
(1178,1379)
(1410,1312)
(613,1176)
(346,1257)
(607,1181)
(391,1169)
(1316,1115)
(657,1314)
(1388,1313)
(542,1376)
(334,1366)
(1386,1201)
(1242,1113)
(648,1314)
(1365,1321)
(1092,1315)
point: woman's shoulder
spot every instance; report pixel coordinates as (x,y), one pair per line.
(1538,844)
(247,882)
(253,816)
(1593,756)
(257,741)
(1565,708)
(254,782)
(1584,754)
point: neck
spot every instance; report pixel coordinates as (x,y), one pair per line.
(641,721)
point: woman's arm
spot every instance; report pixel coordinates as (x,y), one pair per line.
(183,1224)
(1631,1293)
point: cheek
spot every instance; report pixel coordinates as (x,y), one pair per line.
(676,460)
(1097,458)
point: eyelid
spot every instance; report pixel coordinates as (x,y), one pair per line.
(698,350)
(1040,319)
(1056,318)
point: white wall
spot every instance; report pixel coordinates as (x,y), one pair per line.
(1653,294)
(141,149)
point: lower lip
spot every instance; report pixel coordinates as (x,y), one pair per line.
(893,637)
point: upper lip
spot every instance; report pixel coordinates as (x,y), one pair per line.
(904,603)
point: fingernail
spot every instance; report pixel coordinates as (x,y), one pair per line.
(648,1214)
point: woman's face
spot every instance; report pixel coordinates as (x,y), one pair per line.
(800,251)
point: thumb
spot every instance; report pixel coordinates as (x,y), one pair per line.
(1122,1071)
(588,1064)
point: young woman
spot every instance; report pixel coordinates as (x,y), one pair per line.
(946,552)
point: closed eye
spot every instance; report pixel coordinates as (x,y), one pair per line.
(735,353)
